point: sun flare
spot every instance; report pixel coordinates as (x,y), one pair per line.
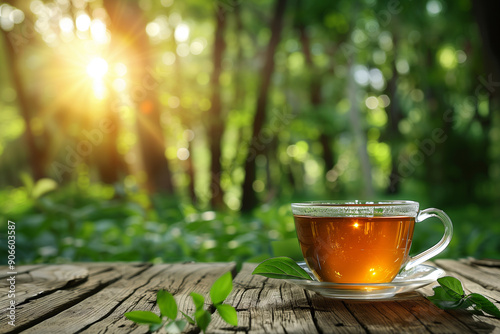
(97,68)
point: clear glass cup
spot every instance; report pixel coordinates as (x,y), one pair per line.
(363,241)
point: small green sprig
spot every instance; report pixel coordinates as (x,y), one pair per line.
(450,295)
(201,318)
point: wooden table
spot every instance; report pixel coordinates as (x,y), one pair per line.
(92,298)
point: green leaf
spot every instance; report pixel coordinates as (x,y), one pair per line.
(451,295)
(228,314)
(203,319)
(443,300)
(27,180)
(281,267)
(143,317)
(452,286)
(176,326)
(155,327)
(188,318)
(484,304)
(42,187)
(167,304)
(221,288)
(198,300)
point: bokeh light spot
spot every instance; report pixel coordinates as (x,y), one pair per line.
(66,24)
(168,58)
(258,186)
(147,106)
(97,68)
(447,58)
(183,153)
(434,7)
(371,102)
(120,69)
(83,22)
(181,33)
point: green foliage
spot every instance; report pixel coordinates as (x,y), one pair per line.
(281,267)
(450,295)
(202,317)
(84,220)
(97,224)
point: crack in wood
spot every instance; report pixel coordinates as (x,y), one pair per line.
(118,304)
(313,312)
(62,307)
(355,317)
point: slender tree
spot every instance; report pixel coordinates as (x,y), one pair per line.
(249,199)
(216,120)
(129,28)
(36,156)
(394,117)
(316,98)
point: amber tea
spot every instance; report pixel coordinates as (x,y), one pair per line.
(355,250)
(362,242)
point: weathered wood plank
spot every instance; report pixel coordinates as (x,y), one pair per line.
(385,317)
(489,266)
(33,311)
(97,306)
(19,269)
(477,323)
(178,279)
(485,279)
(434,319)
(42,280)
(92,298)
(273,306)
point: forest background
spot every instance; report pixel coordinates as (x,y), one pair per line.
(182,130)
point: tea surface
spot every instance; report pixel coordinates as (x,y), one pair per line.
(355,250)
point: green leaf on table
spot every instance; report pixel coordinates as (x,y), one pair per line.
(188,318)
(452,286)
(175,326)
(198,300)
(203,318)
(481,303)
(167,304)
(228,314)
(451,296)
(282,268)
(443,300)
(143,317)
(221,288)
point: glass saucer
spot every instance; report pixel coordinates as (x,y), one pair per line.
(405,281)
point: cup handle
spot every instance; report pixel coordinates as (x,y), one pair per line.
(441,245)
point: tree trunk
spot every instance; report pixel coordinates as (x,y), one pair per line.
(36,157)
(216,120)
(487,18)
(359,135)
(129,28)
(315,96)
(249,199)
(186,119)
(393,135)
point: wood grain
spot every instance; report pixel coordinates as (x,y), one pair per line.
(33,311)
(41,281)
(273,306)
(93,297)
(178,279)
